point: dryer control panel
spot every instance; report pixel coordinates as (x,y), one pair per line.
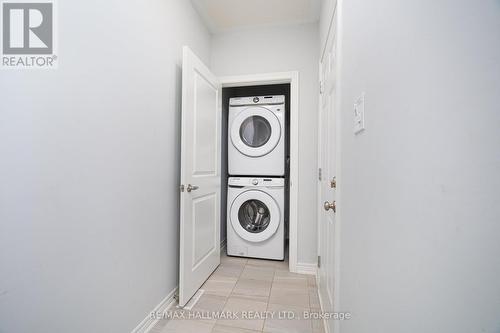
(256,182)
(257,100)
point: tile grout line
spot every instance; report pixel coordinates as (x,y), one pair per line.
(230,293)
(245,265)
(269,298)
(226,298)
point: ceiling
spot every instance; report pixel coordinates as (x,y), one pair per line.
(225,15)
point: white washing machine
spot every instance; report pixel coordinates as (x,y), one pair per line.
(256,136)
(255,217)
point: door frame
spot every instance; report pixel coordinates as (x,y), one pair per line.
(291,78)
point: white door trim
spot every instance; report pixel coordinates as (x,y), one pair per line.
(292,78)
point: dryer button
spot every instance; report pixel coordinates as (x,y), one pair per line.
(255,182)
(256,100)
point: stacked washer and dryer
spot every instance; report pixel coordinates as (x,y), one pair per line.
(256,184)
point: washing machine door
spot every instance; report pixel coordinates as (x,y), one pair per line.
(255,131)
(255,216)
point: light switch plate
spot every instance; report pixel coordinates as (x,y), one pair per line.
(359,114)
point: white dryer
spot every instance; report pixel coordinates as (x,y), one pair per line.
(255,217)
(256,136)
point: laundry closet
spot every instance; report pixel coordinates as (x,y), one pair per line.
(239,170)
(255,170)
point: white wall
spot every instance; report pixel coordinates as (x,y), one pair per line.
(276,49)
(89,169)
(419,188)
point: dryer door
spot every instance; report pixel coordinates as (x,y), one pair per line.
(255,131)
(255,216)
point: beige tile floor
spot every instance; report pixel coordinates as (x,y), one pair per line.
(242,285)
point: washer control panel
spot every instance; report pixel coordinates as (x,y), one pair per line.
(253,100)
(256,182)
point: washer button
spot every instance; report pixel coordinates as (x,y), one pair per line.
(255,182)
(256,100)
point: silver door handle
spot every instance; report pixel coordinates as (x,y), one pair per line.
(191,188)
(330,205)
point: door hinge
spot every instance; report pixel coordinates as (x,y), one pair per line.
(319,261)
(321,87)
(181,188)
(320,174)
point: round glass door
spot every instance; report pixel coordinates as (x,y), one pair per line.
(255,131)
(254,216)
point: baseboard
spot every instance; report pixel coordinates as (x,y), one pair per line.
(148,323)
(306,268)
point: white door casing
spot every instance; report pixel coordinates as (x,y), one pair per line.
(200,176)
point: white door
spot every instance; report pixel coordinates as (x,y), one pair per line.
(200,176)
(327,181)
